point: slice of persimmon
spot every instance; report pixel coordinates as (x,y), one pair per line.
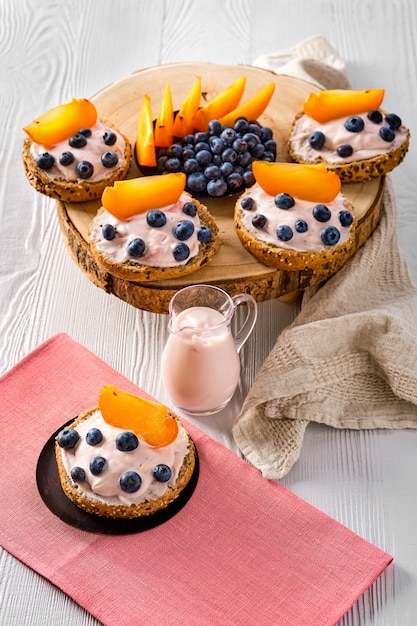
(183,124)
(164,135)
(61,122)
(145,137)
(222,104)
(332,104)
(252,108)
(138,195)
(307,182)
(146,418)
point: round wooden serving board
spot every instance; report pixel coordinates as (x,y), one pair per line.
(232,268)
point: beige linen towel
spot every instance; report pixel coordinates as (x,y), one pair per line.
(349,359)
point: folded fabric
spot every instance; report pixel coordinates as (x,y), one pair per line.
(349,360)
(242,551)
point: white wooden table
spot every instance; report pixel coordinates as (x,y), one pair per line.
(53,51)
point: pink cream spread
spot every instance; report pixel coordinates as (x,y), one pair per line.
(302,226)
(142,460)
(371,133)
(92,154)
(162,237)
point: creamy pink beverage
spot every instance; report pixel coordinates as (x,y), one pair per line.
(200,363)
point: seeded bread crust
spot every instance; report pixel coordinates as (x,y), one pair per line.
(291,260)
(147,507)
(142,273)
(73,191)
(357,171)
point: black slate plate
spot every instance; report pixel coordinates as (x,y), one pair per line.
(51,492)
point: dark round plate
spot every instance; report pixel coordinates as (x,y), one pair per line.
(51,492)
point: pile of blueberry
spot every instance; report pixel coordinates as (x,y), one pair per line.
(355,124)
(126,441)
(84,169)
(330,235)
(219,161)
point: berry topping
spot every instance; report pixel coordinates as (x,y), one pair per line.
(284,233)
(109,138)
(108,231)
(84,169)
(162,473)
(316,140)
(66,158)
(78,474)
(247,203)
(181,252)
(183,230)
(136,248)
(375,116)
(393,120)
(284,201)
(345,150)
(130,482)
(109,158)
(204,234)
(259,220)
(301,226)
(346,218)
(330,235)
(354,124)
(127,441)
(77,141)
(156,218)
(190,209)
(98,465)
(45,161)
(94,437)
(387,133)
(67,438)
(321,213)
(85,131)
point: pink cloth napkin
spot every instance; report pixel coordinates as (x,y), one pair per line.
(243,550)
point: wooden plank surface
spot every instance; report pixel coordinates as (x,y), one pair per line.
(53,51)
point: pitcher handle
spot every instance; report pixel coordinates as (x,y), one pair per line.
(251,315)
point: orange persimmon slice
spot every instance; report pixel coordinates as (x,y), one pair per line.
(252,108)
(164,135)
(146,418)
(307,182)
(332,104)
(60,122)
(222,104)
(145,138)
(183,124)
(138,195)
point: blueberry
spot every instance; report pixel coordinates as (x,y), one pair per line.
(67,438)
(197,182)
(181,252)
(230,155)
(258,151)
(255,127)
(393,120)
(244,158)
(266,134)
(212,171)
(354,124)
(203,157)
(240,145)
(136,248)
(175,150)
(346,218)
(108,231)
(94,436)
(217,188)
(78,474)
(204,234)
(268,156)
(173,164)
(284,201)
(284,233)
(190,209)
(234,181)
(344,151)
(162,472)
(84,169)
(217,145)
(241,125)
(247,203)
(187,153)
(77,141)
(271,146)
(321,213)
(161,163)
(190,166)
(183,230)
(156,218)
(226,168)
(66,158)
(214,127)
(109,158)
(201,145)
(375,116)
(45,161)
(248,178)
(330,235)
(188,139)
(387,133)
(201,136)
(130,482)
(259,220)
(228,135)
(85,131)
(126,441)
(316,140)
(301,226)
(109,138)
(98,465)
(251,140)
